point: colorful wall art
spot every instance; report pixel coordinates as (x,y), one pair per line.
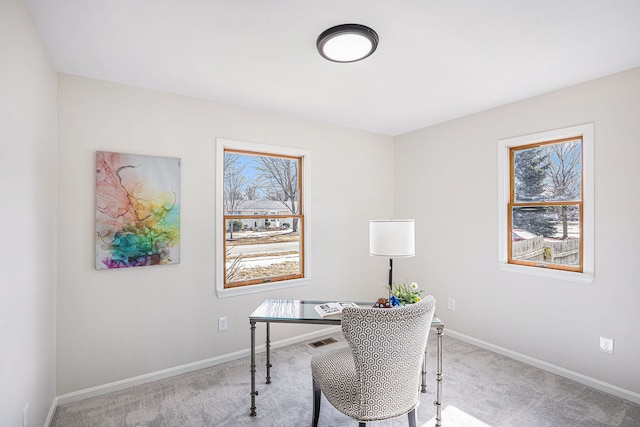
(137,210)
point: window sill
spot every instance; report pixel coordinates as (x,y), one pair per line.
(252,289)
(569,276)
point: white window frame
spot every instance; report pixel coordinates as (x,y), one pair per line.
(221,145)
(586,132)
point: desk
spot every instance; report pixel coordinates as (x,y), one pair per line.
(297,311)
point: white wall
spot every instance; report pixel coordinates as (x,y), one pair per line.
(28,218)
(118,324)
(446,177)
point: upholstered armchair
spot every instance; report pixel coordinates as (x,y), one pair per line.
(377,377)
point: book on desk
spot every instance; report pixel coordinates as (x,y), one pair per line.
(332,308)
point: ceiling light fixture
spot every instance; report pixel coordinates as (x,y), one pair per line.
(347,43)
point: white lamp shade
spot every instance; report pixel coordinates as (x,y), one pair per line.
(393,238)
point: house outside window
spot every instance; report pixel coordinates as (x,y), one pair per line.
(546,204)
(262,216)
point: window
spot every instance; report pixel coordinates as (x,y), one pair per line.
(546,204)
(262,202)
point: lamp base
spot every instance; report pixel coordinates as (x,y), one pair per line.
(390,276)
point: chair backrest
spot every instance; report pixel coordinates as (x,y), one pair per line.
(388,347)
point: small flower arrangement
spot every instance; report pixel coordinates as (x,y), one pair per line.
(403,294)
(400,295)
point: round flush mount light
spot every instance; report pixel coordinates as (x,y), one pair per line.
(347,43)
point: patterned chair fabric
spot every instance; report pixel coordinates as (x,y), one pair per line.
(377,377)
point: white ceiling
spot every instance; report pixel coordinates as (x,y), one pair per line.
(437,59)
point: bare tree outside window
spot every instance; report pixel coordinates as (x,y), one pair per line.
(565,174)
(234,183)
(251,192)
(278,179)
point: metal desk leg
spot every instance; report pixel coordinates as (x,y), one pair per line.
(268,353)
(438,401)
(253,368)
(423,380)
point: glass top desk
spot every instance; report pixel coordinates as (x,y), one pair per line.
(299,311)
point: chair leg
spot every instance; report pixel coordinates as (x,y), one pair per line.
(412,418)
(316,403)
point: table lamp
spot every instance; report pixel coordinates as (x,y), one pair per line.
(393,238)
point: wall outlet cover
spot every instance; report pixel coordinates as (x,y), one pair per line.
(606,345)
(222,323)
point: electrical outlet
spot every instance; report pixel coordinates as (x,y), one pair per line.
(606,345)
(25,416)
(452,304)
(222,324)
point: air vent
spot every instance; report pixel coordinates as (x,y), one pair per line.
(322,342)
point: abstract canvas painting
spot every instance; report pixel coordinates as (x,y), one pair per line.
(137,210)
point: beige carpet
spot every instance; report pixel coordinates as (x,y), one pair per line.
(481,389)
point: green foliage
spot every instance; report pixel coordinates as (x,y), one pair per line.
(535,220)
(402,294)
(530,173)
(530,170)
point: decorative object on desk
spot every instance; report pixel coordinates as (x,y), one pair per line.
(405,294)
(393,238)
(382,303)
(401,295)
(332,308)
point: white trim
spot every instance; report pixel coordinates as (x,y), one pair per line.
(588,226)
(570,276)
(221,144)
(262,287)
(182,369)
(545,366)
(52,412)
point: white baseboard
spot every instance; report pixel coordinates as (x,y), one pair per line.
(52,411)
(575,376)
(178,370)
